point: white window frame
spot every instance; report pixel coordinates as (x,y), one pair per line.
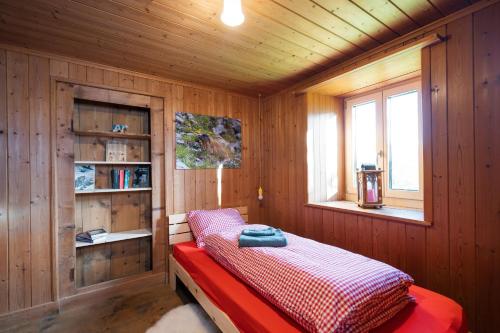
(401,198)
(412,195)
(350,175)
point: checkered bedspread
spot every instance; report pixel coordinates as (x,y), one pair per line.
(322,287)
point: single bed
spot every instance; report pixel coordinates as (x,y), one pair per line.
(236,307)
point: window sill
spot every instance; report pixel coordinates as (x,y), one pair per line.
(412,216)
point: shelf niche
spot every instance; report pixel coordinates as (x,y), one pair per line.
(126,214)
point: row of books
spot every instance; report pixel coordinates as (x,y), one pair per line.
(123,179)
(120,179)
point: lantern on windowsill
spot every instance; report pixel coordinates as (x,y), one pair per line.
(370,187)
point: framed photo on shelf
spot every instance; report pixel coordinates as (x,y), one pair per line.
(116,151)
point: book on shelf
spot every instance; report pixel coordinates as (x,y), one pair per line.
(115,178)
(122,178)
(84,177)
(126,179)
(141,177)
(92,236)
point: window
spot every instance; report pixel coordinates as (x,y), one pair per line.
(385,128)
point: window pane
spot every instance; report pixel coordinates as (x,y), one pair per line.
(403,141)
(364,131)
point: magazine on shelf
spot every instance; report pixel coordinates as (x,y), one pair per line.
(84,177)
(92,236)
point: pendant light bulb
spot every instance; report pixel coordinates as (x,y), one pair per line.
(232,14)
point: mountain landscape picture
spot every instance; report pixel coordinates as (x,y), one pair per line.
(205,142)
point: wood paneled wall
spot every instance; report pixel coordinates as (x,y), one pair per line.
(26,180)
(459,255)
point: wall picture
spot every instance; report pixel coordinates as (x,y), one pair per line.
(204,142)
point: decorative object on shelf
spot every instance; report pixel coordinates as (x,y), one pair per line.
(369,187)
(119,128)
(141,177)
(205,142)
(92,236)
(116,151)
(84,177)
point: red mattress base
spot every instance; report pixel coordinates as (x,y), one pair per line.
(250,312)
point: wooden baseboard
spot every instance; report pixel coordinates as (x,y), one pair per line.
(85,297)
(11,319)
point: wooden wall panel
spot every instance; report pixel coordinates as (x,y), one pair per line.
(158,181)
(64,194)
(461,158)
(18,119)
(30,134)
(4,188)
(487,166)
(197,189)
(39,92)
(438,275)
(458,254)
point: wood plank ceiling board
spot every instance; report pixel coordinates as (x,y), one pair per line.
(280,43)
(421,11)
(332,23)
(357,17)
(389,14)
(449,6)
(403,66)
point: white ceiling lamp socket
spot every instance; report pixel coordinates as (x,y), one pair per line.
(232,14)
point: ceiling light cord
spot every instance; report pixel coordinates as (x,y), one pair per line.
(260,191)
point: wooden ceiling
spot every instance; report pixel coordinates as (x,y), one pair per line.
(280,43)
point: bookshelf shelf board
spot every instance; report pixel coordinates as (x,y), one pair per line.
(119,236)
(112,163)
(114,135)
(113,190)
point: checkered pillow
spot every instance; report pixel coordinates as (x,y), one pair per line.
(207,222)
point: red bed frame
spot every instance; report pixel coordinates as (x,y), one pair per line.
(249,312)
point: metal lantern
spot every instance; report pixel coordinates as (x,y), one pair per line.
(370,187)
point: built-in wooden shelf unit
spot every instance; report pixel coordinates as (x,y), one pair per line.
(133,215)
(124,213)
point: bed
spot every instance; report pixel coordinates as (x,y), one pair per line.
(235,307)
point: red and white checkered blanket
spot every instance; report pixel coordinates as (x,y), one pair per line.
(322,287)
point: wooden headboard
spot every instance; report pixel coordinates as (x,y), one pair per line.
(178,228)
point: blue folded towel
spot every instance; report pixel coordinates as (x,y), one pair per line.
(276,240)
(269,231)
